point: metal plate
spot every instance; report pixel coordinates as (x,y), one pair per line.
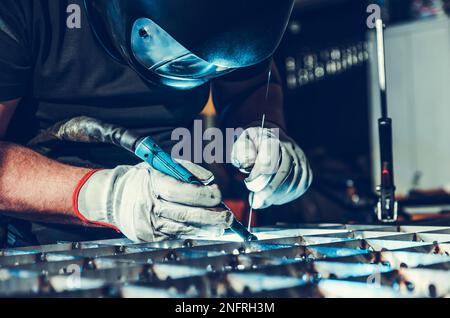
(311,260)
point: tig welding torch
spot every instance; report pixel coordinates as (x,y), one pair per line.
(90,130)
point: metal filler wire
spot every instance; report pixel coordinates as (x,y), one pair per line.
(252,195)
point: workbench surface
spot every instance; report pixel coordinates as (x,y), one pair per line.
(321,260)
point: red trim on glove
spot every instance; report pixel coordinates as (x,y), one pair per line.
(75,196)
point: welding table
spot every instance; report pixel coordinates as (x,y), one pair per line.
(322,260)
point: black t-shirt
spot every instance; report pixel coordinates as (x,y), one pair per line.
(63,73)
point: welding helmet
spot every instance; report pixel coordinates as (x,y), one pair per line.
(185,43)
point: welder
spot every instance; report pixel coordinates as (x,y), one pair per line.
(149,66)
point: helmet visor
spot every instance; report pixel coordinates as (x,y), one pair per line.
(158,52)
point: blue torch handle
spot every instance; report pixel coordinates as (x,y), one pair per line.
(149,151)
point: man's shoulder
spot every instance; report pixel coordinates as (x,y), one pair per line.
(15,6)
(14,15)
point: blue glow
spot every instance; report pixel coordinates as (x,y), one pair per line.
(157,51)
(156,47)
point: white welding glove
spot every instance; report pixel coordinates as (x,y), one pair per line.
(146,205)
(278,169)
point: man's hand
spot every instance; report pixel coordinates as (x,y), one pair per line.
(278,169)
(146,205)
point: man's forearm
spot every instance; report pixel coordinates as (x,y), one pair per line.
(36,188)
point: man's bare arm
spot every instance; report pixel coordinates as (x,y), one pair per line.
(32,186)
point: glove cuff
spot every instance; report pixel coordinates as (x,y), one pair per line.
(76,197)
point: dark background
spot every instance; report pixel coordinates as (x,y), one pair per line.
(328,112)
(329,115)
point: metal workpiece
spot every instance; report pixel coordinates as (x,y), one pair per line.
(322,260)
(416,282)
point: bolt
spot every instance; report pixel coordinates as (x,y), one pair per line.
(432,290)
(143,33)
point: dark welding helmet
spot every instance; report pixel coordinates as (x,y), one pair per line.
(185,43)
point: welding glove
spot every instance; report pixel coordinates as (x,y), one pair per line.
(146,205)
(278,169)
